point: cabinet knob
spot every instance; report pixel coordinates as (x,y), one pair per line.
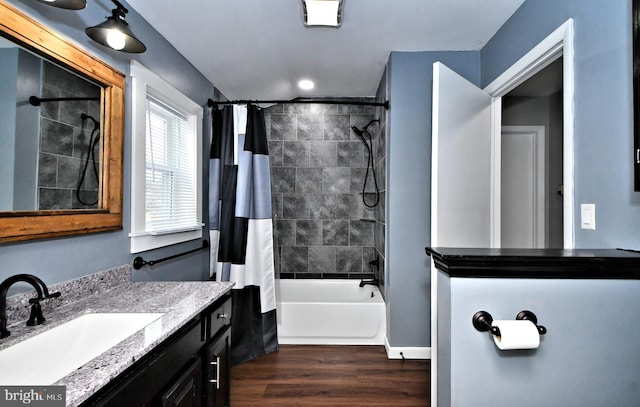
(222,316)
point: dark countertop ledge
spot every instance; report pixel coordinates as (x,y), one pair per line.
(537,263)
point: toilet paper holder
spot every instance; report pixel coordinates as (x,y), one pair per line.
(482,321)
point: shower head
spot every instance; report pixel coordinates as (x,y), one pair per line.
(361,132)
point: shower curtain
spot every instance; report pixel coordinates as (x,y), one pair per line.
(241,229)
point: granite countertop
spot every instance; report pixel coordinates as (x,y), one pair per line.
(179,301)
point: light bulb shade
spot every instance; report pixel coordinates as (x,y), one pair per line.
(67,4)
(116,34)
(116,40)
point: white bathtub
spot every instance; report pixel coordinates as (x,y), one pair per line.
(329,312)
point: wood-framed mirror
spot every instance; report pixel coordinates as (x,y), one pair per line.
(104,212)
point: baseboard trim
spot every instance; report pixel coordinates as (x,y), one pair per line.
(408,352)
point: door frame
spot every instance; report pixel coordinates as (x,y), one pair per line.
(558,43)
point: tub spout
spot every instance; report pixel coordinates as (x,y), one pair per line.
(373,281)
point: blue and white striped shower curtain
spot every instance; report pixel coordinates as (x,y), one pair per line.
(241,229)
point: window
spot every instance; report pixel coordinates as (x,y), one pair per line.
(166,180)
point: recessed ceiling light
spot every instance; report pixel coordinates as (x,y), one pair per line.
(306,84)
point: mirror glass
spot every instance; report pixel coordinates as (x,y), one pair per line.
(61,134)
(50,138)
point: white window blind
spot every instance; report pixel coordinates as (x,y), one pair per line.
(170,190)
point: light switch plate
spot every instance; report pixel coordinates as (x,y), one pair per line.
(588,216)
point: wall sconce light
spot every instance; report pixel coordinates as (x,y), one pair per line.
(327,13)
(68,4)
(115,32)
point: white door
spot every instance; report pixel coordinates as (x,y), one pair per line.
(523,206)
(460,177)
(461,162)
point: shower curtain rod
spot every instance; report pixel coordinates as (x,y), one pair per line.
(213,103)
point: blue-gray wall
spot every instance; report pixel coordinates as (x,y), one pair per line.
(62,259)
(603,140)
(575,364)
(603,106)
(588,358)
(408,281)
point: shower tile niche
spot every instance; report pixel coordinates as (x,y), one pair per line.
(318,167)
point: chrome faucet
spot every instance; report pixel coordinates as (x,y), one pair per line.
(36,317)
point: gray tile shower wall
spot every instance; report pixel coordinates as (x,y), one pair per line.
(318,168)
(64,142)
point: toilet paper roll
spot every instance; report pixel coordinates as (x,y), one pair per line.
(516,334)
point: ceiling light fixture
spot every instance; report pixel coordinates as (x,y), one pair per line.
(115,32)
(306,84)
(67,4)
(324,13)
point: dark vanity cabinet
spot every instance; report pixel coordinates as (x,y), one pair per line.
(215,359)
(187,390)
(216,356)
(190,368)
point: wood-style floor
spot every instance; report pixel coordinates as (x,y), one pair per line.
(334,376)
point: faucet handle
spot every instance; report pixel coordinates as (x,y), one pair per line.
(35,317)
(36,300)
(53,295)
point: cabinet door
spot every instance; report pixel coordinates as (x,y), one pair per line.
(186,391)
(217,373)
(146,381)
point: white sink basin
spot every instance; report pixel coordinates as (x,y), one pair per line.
(53,354)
